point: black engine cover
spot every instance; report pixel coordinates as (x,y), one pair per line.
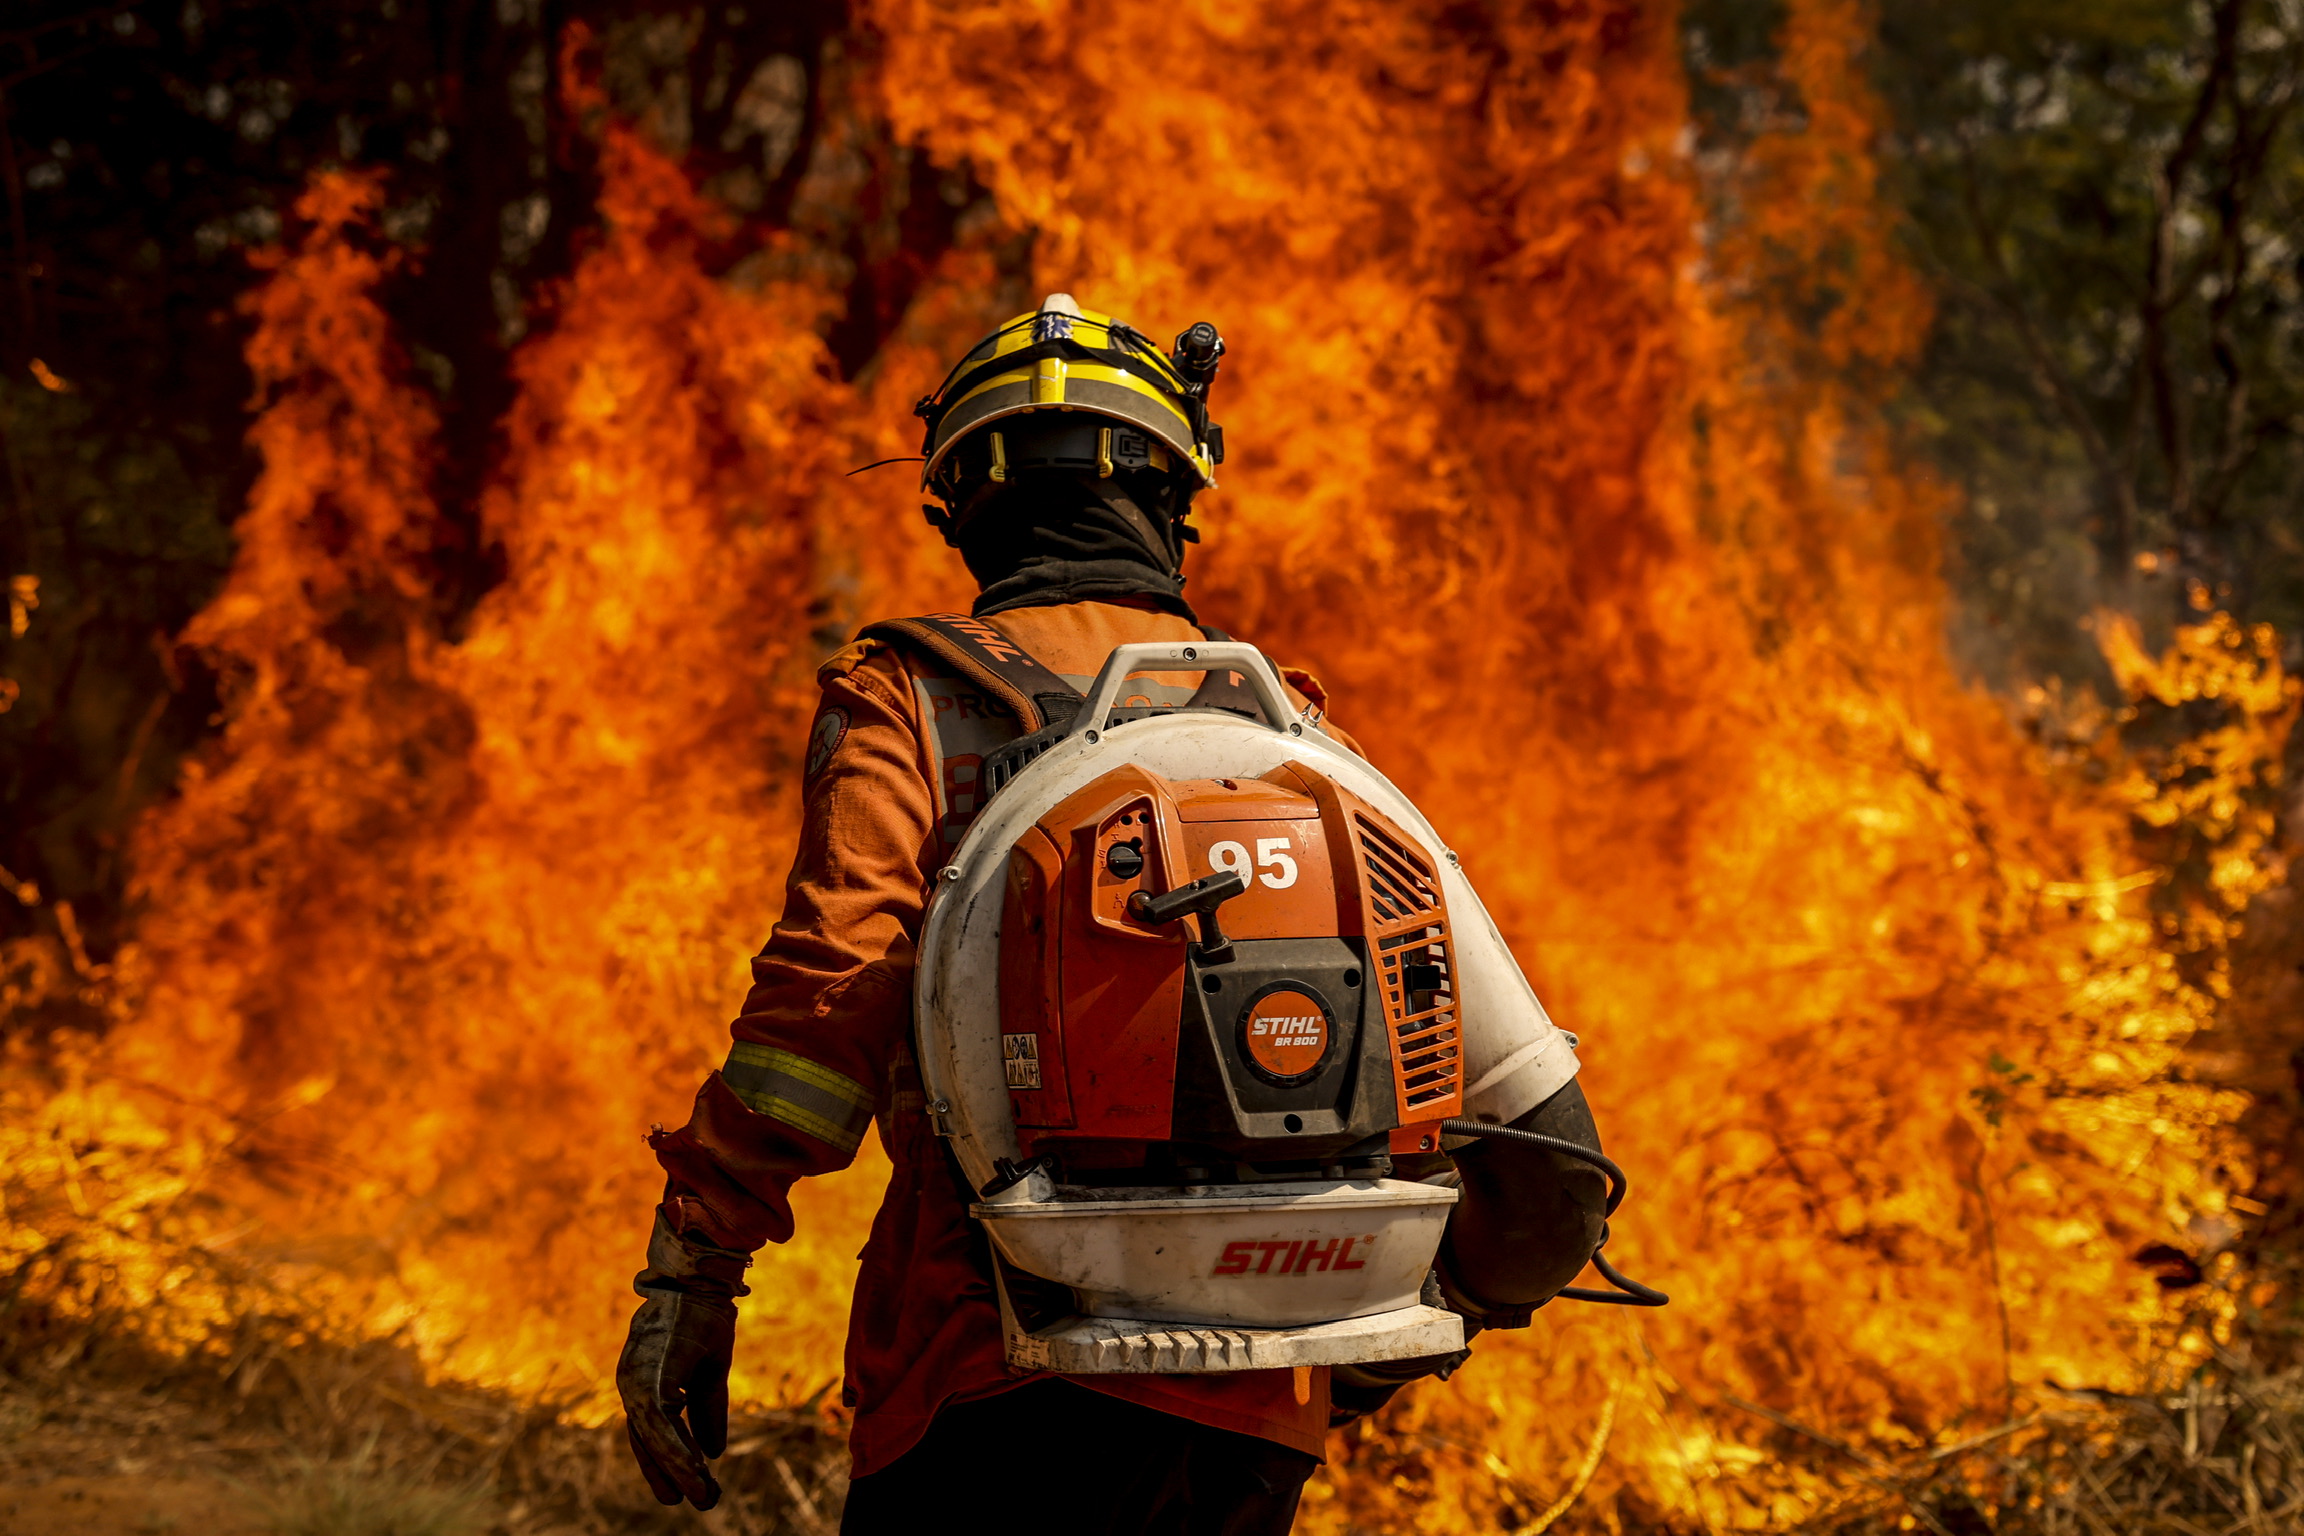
(1282,1055)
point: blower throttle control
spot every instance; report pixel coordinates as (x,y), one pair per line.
(1200,898)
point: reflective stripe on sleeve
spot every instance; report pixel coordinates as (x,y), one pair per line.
(808,1097)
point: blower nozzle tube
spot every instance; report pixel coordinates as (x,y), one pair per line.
(1628,1292)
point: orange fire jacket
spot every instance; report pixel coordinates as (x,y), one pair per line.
(823,1047)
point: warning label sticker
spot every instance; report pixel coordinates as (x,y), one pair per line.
(1021,1053)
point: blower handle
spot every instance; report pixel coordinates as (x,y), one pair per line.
(1200,898)
(1197,656)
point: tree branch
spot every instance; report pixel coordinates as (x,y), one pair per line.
(2161,293)
(2258,125)
(2048,376)
(20,240)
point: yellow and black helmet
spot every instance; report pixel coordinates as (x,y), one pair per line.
(1068,388)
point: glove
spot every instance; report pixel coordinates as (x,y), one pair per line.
(1357,1390)
(676,1359)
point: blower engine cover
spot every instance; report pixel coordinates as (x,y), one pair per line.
(1190,982)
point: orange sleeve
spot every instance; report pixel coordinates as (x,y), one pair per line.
(1306,691)
(828,1017)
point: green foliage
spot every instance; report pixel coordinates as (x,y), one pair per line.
(125,539)
(2103,196)
(1991,1099)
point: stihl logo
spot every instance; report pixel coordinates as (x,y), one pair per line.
(983,634)
(1292,1256)
(1299,1024)
(1285,1034)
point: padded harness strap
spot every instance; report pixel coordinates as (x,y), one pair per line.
(1040,702)
(1017,681)
(1010,674)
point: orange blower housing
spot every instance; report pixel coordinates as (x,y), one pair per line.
(1316,1035)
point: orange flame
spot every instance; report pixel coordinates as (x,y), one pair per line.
(1597,547)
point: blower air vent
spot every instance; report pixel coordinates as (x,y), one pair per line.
(1399,881)
(1415,965)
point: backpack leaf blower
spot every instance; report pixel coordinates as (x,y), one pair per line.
(1190,982)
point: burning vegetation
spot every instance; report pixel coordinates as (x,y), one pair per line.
(1581,496)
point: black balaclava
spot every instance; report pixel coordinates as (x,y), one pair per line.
(1057,537)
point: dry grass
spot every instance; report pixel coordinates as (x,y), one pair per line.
(336,1440)
(270,1425)
(318,1438)
(269,1430)
(2223,1457)
(364,1497)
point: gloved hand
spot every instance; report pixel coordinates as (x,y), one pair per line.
(676,1359)
(1354,1391)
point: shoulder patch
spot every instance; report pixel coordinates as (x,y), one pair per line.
(1306,684)
(824,739)
(848,658)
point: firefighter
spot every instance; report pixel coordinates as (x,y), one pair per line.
(1064,453)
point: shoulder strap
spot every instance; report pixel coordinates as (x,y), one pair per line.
(1010,674)
(1026,689)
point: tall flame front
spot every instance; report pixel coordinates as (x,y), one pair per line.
(1595,545)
